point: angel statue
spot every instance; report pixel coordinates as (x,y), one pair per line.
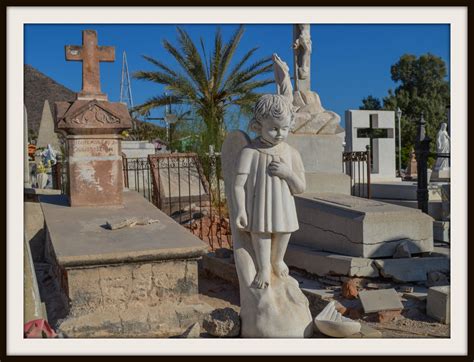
(261,177)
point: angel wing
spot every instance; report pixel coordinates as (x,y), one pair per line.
(233,144)
(333,324)
(243,251)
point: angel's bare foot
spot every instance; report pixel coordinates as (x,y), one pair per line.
(262,279)
(281,269)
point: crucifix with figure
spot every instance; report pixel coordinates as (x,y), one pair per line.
(91,55)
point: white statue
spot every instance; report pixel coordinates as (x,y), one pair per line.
(261,178)
(282,78)
(443,144)
(310,116)
(303,46)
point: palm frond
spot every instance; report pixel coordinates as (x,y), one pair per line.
(159,64)
(228,53)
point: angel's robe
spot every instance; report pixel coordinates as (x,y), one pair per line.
(269,203)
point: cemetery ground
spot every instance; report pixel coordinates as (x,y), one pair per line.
(218,288)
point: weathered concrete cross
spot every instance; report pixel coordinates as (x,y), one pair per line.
(91,55)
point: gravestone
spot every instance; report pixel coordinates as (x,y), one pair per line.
(46,133)
(136,281)
(377,130)
(92,126)
(179,181)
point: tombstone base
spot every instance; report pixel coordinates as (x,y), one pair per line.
(95,170)
(116,279)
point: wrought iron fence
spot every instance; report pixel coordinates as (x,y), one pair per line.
(188,188)
(136,176)
(59,176)
(357,166)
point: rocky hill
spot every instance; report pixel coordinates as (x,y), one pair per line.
(39,87)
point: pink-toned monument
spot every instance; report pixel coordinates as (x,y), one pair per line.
(92,127)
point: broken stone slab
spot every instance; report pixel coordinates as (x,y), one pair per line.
(130,222)
(418,293)
(223,322)
(380,300)
(412,269)
(322,263)
(359,227)
(438,304)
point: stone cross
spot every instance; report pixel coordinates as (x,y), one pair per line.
(91,55)
(374,128)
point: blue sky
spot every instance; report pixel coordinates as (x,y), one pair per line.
(349,61)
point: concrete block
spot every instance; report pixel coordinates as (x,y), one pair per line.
(354,226)
(323,263)
(379,300)
(438,304)
(412,269)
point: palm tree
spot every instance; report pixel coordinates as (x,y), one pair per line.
(211,87)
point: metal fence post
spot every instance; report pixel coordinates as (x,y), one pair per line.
(422,149)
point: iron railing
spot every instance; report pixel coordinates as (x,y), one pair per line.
(59,176)
(136,176)
(357,166)
(188,188)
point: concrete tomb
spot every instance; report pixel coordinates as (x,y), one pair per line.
(354,226)
(138,281)
(135,282)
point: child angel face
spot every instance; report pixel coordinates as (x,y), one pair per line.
(275,130)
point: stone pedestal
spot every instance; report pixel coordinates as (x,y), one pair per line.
(95,170)
(92,130)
